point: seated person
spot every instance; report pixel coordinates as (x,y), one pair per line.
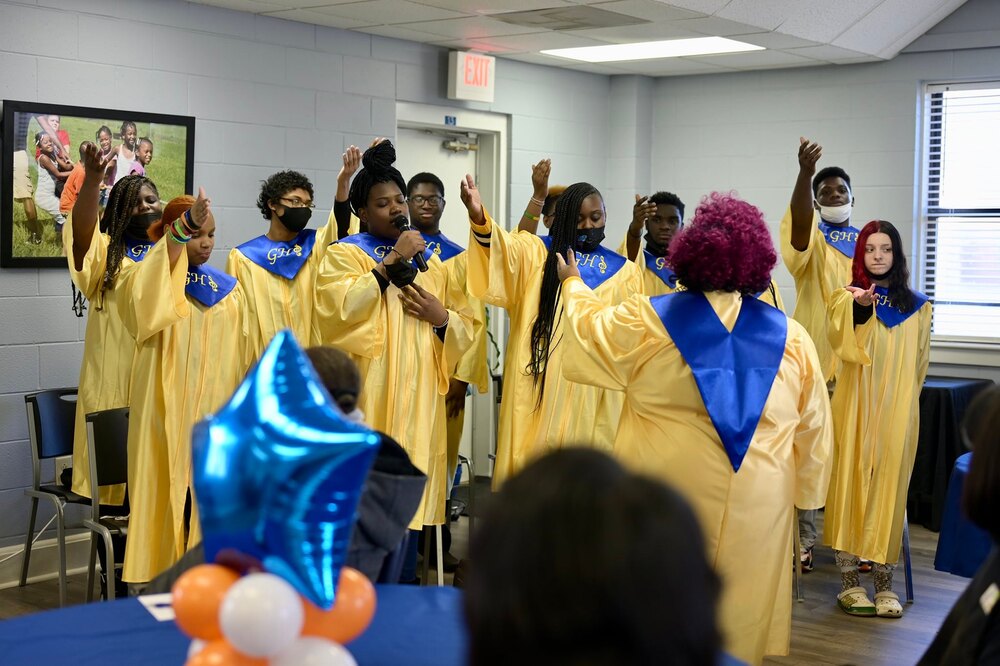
(971,632)
(578,561)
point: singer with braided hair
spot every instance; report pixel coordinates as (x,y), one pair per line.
(99,251)
(517,271)
(406,329)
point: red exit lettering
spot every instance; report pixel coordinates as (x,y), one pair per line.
(477,71)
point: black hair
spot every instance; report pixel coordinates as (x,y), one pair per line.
(125,125)
(578,561)
(830,172)
(424,177)
(981,492)
(563,234)
(279,184)
(38,138)
(376,167)
(339,375)
(123,198)
(900,296)
(668,199)
(143,140)
(103,128)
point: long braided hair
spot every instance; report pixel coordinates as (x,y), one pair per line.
(563,234)
(117,215)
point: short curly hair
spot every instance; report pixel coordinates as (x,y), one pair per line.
(726,247)
(279,184)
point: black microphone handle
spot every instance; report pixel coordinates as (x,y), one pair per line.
(418,259)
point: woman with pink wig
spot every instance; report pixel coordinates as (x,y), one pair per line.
(724,400)
(880,329)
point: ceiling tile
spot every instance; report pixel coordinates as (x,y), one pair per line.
(638,33)
(399,32)
(543,40)
(716,27)
(882,33)
(253,6)
(309,16)
(649,10)
(493,6)
(481,46)
(775,40)
(767,15)
(387,12)
(757,59)
(700,6)
(671,67)
(473,27)
(823,21)
(828,53)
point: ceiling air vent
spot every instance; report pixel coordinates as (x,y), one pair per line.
(568,18)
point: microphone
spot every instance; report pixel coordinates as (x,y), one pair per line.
(401,223)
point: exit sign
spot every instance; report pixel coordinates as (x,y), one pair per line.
(471,76)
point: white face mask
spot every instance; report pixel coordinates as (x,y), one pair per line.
(836,214)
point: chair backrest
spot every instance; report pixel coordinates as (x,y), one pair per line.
(107,440)
(51,419)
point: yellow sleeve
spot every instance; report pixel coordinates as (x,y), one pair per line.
(813,443)
(848,341)
(151,295)
(459,335)
(472,367)
(603,343)
(499,262)
(88,279)
(795,260)
(925,341)
(350,305)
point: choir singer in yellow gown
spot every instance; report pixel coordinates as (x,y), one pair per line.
(880,329)
(184,370)
(405,329)
(541,410)
(99,251)
(724,400)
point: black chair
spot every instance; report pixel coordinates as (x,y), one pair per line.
(51,419)
(107,437)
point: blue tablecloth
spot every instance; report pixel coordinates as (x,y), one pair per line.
(412,625)
(962,547)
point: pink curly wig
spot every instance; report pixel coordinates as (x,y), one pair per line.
(726,247)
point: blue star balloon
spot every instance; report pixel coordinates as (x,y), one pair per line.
(278,472)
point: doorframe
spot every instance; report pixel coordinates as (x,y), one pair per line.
(493,131)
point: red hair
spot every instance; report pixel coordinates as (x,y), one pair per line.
(173,210)
(859,278)
(726,247)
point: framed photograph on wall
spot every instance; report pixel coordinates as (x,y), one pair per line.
(41,169)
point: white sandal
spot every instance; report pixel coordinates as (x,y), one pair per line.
(887,604)
(855,601)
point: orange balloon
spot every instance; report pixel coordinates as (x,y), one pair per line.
(221,653)
(197,595)
(352,610)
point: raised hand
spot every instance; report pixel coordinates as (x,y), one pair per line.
(566,268)
(352,160)
(409,244)
(94,163)
(809,154)
(200,209)
(473,202)
(420,303)
(863,297)
(641,211)
(540,178)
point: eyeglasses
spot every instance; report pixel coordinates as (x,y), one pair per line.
(295,202)
(434,201)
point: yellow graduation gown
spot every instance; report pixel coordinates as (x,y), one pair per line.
(747,517)
(818,271)
(405,367)
(508,274)
(276,303)
(652,285)
(108,351)
(185,369)
(876,412)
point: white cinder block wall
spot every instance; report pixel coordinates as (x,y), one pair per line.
(267,94)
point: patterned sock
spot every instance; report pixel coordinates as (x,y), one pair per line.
(882,573)
(848,565)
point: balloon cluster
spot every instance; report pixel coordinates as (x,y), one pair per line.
(260,619)
(278,473)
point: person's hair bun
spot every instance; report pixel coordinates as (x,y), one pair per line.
(380,157)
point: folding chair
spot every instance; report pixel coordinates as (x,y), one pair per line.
(51,419)
(107,437)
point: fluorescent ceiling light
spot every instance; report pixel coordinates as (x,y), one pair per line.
(671,48)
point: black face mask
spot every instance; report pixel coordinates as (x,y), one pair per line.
(295,219)
(138,225)
(588,240)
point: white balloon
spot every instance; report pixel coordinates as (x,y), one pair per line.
(197,645)
(261,615)
(314,651)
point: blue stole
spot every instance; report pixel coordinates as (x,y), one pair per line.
(442,246)
(136,249)
(843,239)
(889,315)
(375,247)
(658,267)
(734,370)
(595,267)
(283,258)
(208,285)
